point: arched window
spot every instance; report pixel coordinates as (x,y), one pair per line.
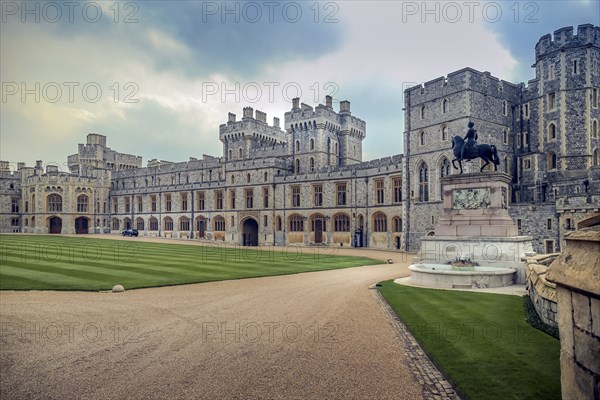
(595,129)
(184,224)
(552,161)
(82,203)
(444,171)
(297,145)
(248,178)
(232,179)
(230,158)
(341,223)
(139,223)
(423,182)
(596,158)
(219,224)
(422,138)
(312,164)
(168,224)
(32,205)
(397,224)
(551,131)
(240,153)
(115,224)
(297,166)
(444,106)
(153,224)
(296,223)
(54,203)
(279,224)
(317,217)
(506,167)
(312,144)
(379,222)
(504,108)
(505,136)
(422,112)
(266,176)
(444,132)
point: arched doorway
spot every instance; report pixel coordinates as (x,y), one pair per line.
(250,232)
(81,225)
(54,225)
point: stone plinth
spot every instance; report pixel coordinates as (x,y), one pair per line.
(576,273)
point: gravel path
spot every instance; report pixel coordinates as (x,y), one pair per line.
(318,335)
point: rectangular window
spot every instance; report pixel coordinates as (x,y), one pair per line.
(526,163)
(153,202)
(318,195)
(379,191)
(551,72)
(341,194)
(568,223)
(519,223)
(200,200)
(140,204)
(397,185)
(266,197)
(15,205)
(168,203)
(265,221)
(295,196)
(184,202)
(551,101)
(127,205)
(249,198)
(14,222)
(525,110)
(115,205)
(219,200)
(549,224)
(575,67)
(595,98)
(232,199)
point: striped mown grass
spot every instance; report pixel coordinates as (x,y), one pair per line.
(45,262)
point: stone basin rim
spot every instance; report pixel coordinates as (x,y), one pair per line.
(474,271)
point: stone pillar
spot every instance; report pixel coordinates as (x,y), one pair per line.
(576,273)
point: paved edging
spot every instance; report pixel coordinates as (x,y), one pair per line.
(433,383)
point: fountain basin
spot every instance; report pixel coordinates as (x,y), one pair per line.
(449,277)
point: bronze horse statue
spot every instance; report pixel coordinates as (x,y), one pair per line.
(487,152)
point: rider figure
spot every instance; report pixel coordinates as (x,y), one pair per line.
(470,141)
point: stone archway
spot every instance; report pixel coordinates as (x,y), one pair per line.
(250,232)
(54,225)
(82,225)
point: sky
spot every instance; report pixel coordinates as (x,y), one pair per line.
(159,77)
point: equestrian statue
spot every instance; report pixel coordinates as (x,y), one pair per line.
(467,149)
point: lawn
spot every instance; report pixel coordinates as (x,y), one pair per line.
(480,341)
(31,262)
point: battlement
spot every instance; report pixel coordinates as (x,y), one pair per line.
(250,126)
(94,138)
(564,38)
(323,114)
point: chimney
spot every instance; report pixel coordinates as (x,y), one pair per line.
(345,106)
(296,103)
(261,116)
(328,101)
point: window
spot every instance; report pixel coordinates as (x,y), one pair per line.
(445,106)
(240,153)
(551,132)
(575,67)
(526,110)
(249,198)
(423,183)
(297,145)
(296,223)
(279,224)
(127,204)
(55,203)
(184,224)
(230,155)
(140,203)
(595,98)
(526,163)
(551,72)
(27,206)
(312,144)
(519,223)
(397,224)
(341,223)
(551,101)
(444,133)
(318,196)
(265,197)
(552,161)
(115,205)
(341,194)
(379,222)
(139,224)
(153,202)
(506,168)
(379,191)
(219,200)
(248,178)
(232,199)
(200,200)
(219,224)
(265,221)
(504,108)
(596,158)
(295,196)
(505,136)
(422,138)
(82,203)
(444,171)
(184,202)
(168,224)
(397,186)
(312,165)
(168,202)
(595,129)
(549,224)
(115,224)
(15,205)
(422,112)
(14,222)
(297,166)
(266,178)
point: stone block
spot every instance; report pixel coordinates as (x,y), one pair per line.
(575,383)
(468,230)
(587,350)
(581,312)
(595,310)
(564,318)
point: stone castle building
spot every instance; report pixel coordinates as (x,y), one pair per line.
(306,183)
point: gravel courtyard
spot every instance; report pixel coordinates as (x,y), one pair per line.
(319,335)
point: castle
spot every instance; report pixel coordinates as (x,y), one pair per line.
(307,183)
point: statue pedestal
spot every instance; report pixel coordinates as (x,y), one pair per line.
(476,224)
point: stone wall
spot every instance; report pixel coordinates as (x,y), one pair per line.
(541,292)
(576,273)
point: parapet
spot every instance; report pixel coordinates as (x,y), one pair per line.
(564,38)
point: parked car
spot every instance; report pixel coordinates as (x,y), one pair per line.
(130,232)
